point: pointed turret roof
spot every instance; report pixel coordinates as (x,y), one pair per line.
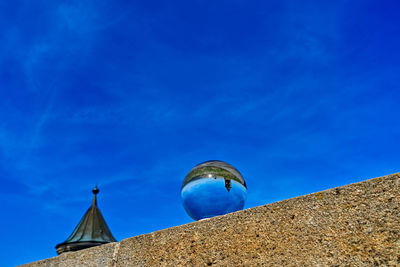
(91,231)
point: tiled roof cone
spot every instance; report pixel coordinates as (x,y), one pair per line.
(91,231)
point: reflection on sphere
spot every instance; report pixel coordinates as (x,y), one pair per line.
(213,188)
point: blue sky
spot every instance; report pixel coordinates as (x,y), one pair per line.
(300,96)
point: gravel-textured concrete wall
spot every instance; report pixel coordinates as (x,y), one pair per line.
(353,225)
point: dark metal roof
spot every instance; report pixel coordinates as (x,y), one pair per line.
(92,230)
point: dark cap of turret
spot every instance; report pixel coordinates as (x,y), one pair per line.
(92,230)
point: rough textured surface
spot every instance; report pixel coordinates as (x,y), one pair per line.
(353,225)
(103,255)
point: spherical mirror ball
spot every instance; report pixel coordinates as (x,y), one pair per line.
(213,188)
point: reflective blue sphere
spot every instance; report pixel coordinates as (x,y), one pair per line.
(213,188)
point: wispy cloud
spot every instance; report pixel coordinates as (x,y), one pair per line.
(89,16)
(35,135)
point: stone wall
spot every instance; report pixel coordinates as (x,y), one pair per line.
(352,225)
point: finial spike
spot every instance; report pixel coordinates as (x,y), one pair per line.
(95,190)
